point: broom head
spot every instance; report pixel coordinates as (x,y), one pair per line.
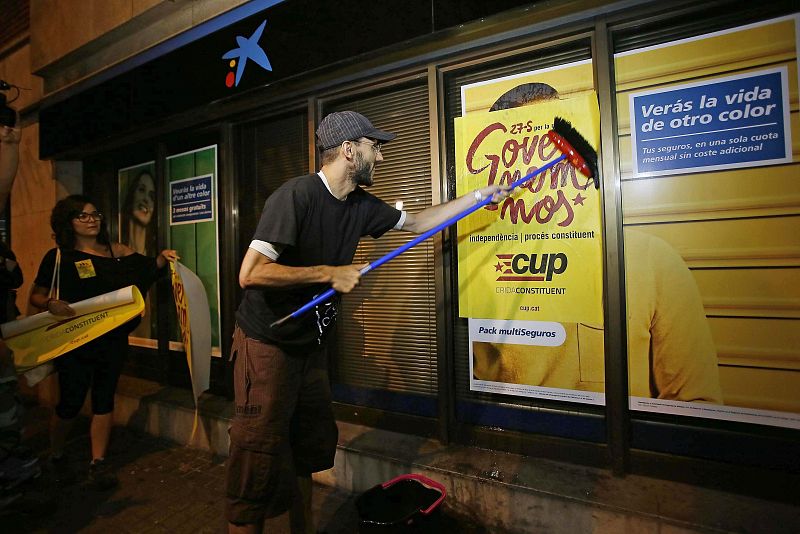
(577,149)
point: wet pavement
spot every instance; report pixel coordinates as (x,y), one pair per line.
(164,487)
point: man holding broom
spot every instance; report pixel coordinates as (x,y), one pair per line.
(284,428)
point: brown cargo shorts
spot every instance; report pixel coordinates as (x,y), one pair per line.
(283,427)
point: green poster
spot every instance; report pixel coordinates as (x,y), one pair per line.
(192,182)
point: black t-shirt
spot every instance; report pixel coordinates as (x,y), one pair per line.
(85,275)
(316,229)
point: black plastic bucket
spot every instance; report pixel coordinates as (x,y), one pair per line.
(408,503)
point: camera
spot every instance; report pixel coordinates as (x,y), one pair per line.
(8,117)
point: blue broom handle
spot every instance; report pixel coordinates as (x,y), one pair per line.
(322,297)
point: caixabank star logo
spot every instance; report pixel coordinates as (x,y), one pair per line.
(530,267)
(248,49)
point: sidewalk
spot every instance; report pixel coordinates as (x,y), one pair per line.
(167,487)
(163,487)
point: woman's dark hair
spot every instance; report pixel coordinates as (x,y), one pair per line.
(126,215)
(64,212)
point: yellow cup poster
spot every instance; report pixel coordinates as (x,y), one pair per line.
(191,304)
(40,338)
(537,256)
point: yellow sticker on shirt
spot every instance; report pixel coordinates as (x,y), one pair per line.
(85,268)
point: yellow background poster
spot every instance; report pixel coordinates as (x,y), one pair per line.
(731,238)
(527,351)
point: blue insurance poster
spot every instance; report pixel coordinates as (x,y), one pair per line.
(191,200)
(731,122)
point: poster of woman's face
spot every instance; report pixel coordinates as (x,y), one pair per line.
(137,201)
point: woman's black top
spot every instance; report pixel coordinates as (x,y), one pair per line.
(86,275)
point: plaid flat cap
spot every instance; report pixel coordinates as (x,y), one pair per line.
(342,126)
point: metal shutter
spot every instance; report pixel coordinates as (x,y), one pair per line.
(16,20)
(276,150)
(387,329)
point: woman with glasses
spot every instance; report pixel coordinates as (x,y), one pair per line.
(90,265)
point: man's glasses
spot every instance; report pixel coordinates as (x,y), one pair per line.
(375,146)
(85,217)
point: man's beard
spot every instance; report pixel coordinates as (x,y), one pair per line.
(362,175)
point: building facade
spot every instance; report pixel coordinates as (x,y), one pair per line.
(676,317)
